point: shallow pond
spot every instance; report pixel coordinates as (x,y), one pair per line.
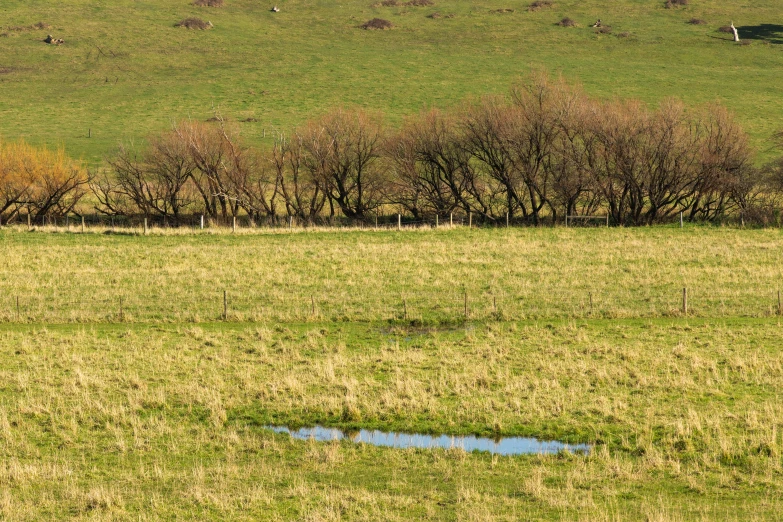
(501,446)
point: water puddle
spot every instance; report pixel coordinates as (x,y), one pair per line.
(502,446)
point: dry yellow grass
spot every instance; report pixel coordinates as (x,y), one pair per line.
(507,273)
(117,422)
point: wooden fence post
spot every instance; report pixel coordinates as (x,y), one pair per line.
(507,219)
(202,221)
(312,305)
(466,303)
(680,219)
(607,221)
(470,219)
(780,305)
(685,301)
(225,305)
(121,314)
(18,315)
(234,224)
(29,224)
(145,226)
(399,221)
(82,224)
(436,221)
(451,219)
(591,302)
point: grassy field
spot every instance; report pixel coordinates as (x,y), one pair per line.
(125,70)
(161,417)
(373,276)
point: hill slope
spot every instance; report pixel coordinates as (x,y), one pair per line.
(125,70)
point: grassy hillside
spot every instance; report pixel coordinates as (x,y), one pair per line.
(125,70)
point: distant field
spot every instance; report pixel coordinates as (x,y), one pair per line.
(516,273)
(124,70)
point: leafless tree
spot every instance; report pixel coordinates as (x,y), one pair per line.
(342,150)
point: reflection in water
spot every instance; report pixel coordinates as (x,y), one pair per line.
(501,446)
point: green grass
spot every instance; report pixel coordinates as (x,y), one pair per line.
(282,68)
(164,422)
(371,276)
(161,417)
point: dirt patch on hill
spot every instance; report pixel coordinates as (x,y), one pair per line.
(397,3)
(377,24)
(540,4)
(38,26)
(194,23)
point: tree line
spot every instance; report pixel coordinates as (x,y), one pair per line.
(544,151)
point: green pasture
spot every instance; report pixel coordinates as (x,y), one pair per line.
(125,70)
(142,422)
(158,412)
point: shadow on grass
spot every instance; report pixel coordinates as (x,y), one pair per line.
(772,33)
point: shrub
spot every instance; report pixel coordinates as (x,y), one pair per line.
(566,22)
(696,21)
(208,3)
(377,23)
(194,23)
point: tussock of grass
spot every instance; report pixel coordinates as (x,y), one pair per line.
(208,3)
(697,21)
(566,22)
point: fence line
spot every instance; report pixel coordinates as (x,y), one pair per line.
(453,307)
(146,224)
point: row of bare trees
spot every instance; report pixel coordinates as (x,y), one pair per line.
(545,151)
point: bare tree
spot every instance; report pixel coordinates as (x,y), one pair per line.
(342,151)
(301,192)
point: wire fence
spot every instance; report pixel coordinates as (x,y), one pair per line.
(241,305)
(141,223)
